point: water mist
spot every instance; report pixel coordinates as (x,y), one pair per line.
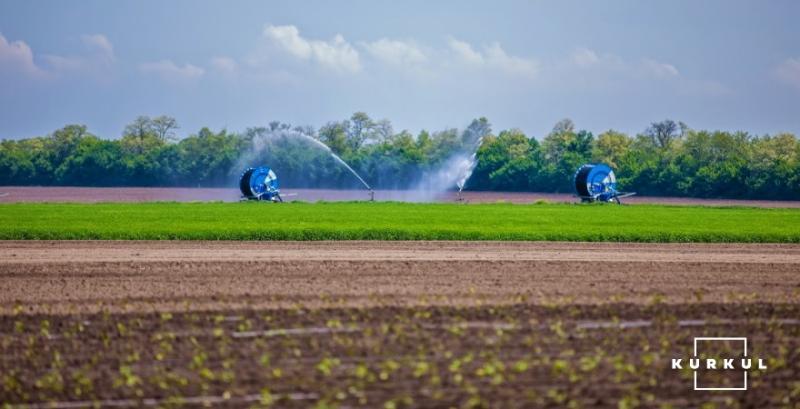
(261,140)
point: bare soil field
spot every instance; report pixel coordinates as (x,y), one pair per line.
(392,324)
(87,276)
(11,194)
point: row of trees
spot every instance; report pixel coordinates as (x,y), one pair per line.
(667,159)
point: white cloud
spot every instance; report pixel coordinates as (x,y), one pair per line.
(96,60)
(100,45)
(61,64)
(660,69)
(584,57)
(224,65)
(497,57)
(465,51)
(171,72)
(396,52)
(789,72)
(289,38)
(336,54)
(99,56)
(593,63)
(494,56)
(17,57)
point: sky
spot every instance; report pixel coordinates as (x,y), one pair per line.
(616,64)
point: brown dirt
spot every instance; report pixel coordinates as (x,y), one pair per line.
(390,324)
(11,194)
(88,276)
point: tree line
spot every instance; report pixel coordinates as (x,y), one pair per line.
(667,159)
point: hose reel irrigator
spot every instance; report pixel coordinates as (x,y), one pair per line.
(260,183)
(596,182)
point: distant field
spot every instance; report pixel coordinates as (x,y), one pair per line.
(397,221)
(76,194)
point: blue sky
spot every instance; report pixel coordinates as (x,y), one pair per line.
(726,64)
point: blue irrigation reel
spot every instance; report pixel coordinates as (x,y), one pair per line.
(260,183)
(597,183)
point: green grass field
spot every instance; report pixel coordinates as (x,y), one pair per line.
(397,221)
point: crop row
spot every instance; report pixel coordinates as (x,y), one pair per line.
(391,357)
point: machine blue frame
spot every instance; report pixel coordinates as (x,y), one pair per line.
(260,183)
(596,182)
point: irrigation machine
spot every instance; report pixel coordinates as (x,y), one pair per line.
(596,182)
(260,183)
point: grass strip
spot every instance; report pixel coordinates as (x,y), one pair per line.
(396,221)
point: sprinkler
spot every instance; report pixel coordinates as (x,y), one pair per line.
(260,183)
(597,183)
(341,161)
(460,195)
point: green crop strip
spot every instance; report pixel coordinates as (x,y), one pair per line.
(397,221)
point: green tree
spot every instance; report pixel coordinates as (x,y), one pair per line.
(563,151)
(505,162)
(93,162)
(207,158)
(16,164)
(361,126)
(164,127)
(610,147)
(668,158)
(713,164)
(141,136)
(335,136)
(774,167)
(665,132)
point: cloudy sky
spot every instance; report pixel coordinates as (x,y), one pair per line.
(718,64)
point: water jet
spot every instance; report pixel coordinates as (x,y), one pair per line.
(320,144)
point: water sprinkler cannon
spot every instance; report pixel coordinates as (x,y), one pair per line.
(460,196)
(260,183)
(596,182)
(371,195)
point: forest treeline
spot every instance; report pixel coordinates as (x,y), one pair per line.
(667,159)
